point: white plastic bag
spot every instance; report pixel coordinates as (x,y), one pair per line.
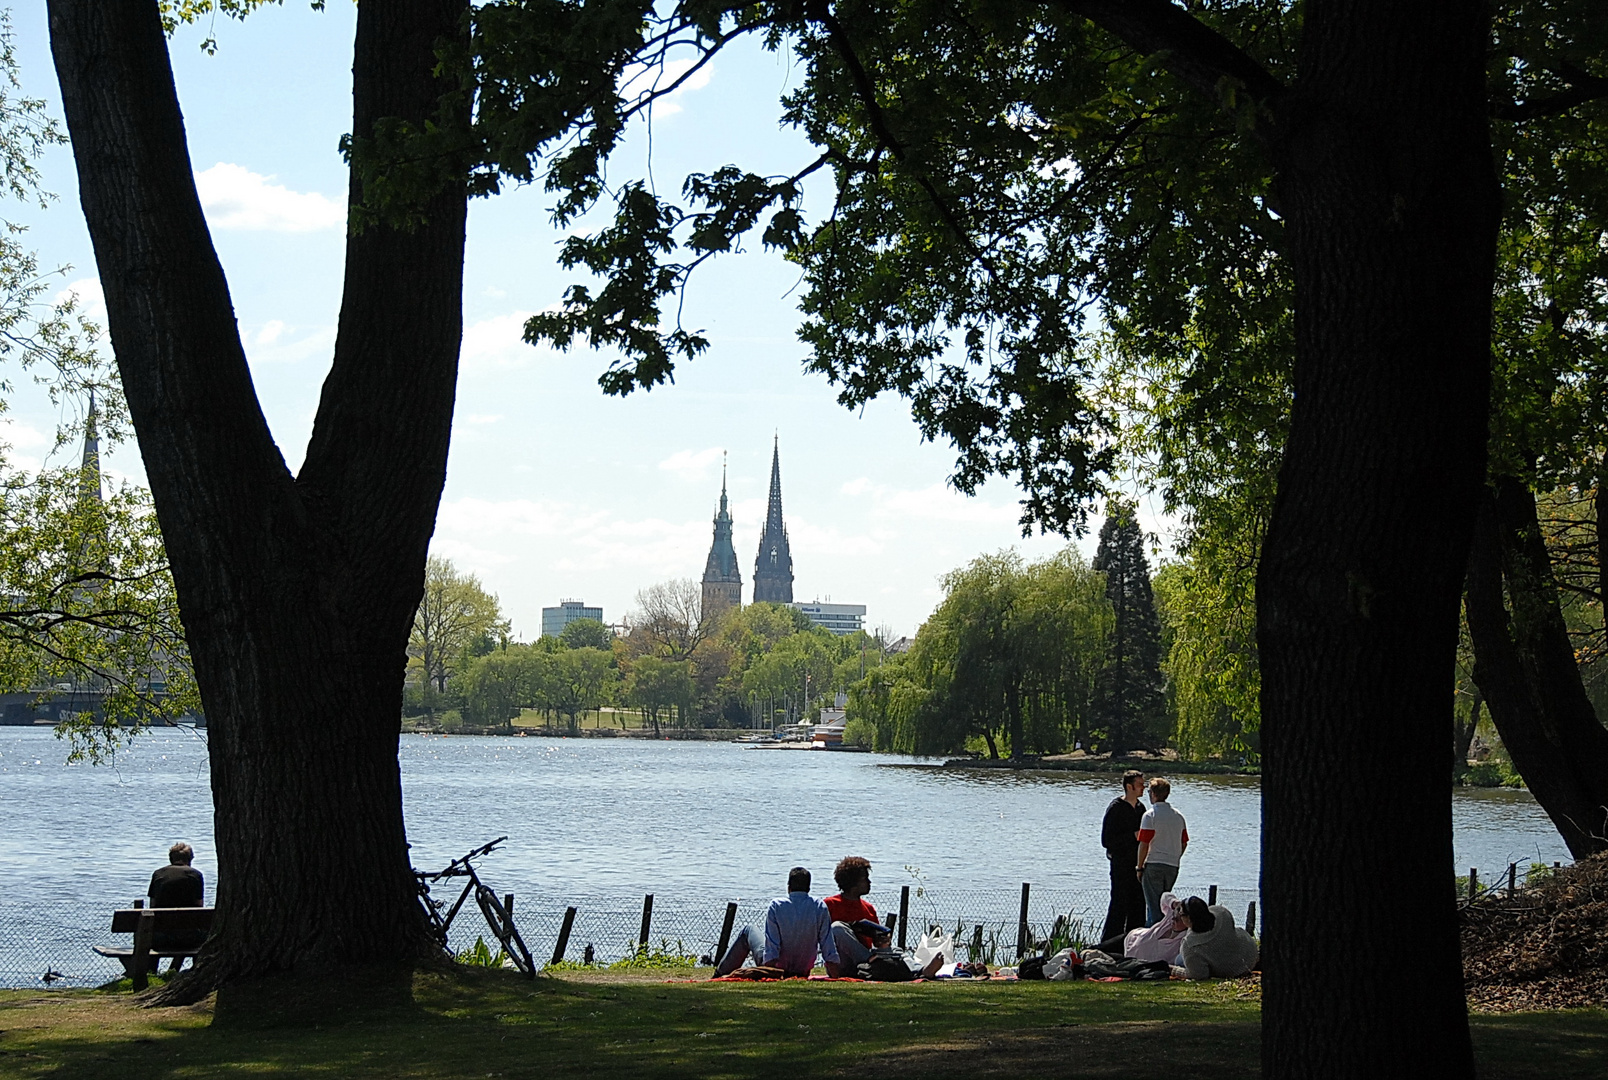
(1059,966)
(931,945)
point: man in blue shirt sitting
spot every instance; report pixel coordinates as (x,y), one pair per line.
(796,928)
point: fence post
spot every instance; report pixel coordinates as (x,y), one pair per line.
(1473,883)
(725,933)
(563,935)
(1021,925)
(904,912)
(1250,919)
(1211,895)
(647,920)
(977,943)
(508,910)
(141,961)
(1513,879)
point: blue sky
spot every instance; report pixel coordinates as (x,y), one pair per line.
(553,490)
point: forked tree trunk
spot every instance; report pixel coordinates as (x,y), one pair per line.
(297,592)
(1386,182)
(1524,664)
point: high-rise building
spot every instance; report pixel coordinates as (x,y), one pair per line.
(722,581)
(841,619)
(554,619)
(773,569)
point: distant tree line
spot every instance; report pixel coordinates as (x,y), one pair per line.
(676,665)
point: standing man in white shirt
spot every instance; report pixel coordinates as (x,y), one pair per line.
(1163,836)
(797,927)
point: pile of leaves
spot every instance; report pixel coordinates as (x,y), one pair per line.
(1545,947)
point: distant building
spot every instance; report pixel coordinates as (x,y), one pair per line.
(554,619)
(773,568)
(841,619)
(722,581)
(898,645)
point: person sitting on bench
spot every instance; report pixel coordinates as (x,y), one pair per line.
(797,927)
(178,884)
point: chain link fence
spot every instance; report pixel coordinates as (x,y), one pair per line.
(54,948)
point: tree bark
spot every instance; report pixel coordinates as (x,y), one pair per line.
(1384,175)
(297,593)
(1525,666)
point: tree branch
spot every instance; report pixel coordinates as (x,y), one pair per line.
(1190,49)
(1583,87)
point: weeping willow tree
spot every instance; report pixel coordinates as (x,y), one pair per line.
(1008,661)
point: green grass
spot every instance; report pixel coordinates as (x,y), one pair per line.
(480,1023)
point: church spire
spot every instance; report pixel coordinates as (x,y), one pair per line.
(722,581)
(89,470)
(773,568)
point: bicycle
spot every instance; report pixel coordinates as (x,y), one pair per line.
(499,914)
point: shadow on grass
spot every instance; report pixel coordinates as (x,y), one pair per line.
(472,1023)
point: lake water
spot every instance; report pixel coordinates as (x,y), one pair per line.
(599,822)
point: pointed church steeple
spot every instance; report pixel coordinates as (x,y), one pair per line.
(722,581)
(89,471)
(773,568)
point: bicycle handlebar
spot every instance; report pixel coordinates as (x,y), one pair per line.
(460,866)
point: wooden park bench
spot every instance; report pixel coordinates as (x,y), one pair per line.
(144,923)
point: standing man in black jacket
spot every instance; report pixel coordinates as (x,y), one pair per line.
(1119,835)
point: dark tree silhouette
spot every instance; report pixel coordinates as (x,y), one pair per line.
(1130,707)
(297,590)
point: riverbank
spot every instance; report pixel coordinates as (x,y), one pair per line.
(471,1023)
(1092,763)
(418,726)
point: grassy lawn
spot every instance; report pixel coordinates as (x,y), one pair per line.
(490,1024)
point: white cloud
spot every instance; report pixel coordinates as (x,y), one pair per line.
(18,436)
(234,197)
(498,344)
(644,78)
(282,343)
(91,300)
(937,502)
(482,418)
(691,464)
(23,436)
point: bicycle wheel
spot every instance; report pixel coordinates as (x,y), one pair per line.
(502,926)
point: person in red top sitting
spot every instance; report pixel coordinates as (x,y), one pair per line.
(849,906)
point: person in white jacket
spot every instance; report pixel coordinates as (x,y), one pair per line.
(1215,948)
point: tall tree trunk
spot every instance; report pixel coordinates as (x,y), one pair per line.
(1525,666)
(1463,734)
(1385,178)
(1013,713)
(1599,521)
(297,592)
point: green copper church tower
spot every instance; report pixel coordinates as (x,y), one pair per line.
(722,581)
(773,569)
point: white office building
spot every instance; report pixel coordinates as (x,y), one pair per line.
(841,619)
(554,619)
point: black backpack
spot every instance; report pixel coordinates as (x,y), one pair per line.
(1031,968)
(886,965)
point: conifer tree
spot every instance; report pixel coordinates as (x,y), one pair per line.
(1129,702)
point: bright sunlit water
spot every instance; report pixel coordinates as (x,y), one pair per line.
(623,817)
